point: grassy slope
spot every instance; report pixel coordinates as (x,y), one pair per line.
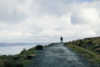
(19,60)
(86,48)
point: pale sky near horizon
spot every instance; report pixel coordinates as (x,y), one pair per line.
(47,20)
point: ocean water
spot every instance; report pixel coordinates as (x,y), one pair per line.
(14,48)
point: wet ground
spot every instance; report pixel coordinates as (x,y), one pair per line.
(58,56)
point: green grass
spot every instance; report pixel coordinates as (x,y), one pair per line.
(89,55)
(14,60)
(85,47)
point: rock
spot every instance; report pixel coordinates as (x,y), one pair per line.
(39,47)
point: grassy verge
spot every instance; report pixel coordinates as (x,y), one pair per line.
(90,55)
(23,59)
(20,60)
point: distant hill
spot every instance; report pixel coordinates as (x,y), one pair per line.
(14,44)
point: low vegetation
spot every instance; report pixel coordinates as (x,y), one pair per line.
(88,47)
(20,60)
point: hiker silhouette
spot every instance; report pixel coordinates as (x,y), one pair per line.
(61,39)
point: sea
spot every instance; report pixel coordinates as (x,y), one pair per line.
(16,48)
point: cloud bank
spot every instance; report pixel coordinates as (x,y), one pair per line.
(47,20)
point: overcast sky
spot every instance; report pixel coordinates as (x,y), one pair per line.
(47,20)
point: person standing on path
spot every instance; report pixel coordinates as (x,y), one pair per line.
(61,39)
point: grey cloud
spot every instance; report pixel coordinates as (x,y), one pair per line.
(51,7)
(47,20)
(8,12)
(13,17)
